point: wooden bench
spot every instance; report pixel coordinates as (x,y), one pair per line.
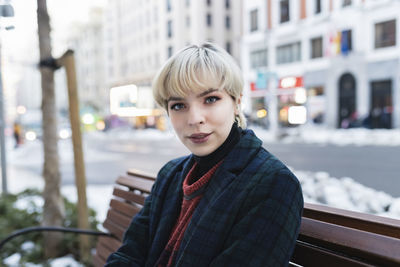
(328,236)
(128,198)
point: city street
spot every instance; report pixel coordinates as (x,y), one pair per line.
(373,166)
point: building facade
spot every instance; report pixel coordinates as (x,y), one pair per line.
(87,42)
(345,54)
(141,35)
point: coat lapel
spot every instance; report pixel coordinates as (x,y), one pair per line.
(168,213)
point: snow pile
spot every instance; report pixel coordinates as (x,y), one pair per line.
(345,193)
(66,261)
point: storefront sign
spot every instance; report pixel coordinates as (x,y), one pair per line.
(290,82)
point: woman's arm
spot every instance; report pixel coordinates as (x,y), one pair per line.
(267,233)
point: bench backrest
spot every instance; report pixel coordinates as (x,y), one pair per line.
(328,236)
(128,198)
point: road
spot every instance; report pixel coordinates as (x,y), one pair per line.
(374,166)
(377,167)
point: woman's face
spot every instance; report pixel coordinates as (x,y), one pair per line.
(202,120)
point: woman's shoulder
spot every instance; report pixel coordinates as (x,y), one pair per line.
(174,165)
(264,168)
(167,173)
(272,179)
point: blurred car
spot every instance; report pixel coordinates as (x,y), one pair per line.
(32,131)
(35,131)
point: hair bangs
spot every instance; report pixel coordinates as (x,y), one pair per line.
(193,72)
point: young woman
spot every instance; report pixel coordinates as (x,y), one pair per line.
(229,203)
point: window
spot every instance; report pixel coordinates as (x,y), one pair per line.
(227,22)
(259,58)
(169,5)
(228,47)
(284,11)
(385,34)
(169,28)
(253,20)
(208,2)
(346,3)
(170,51)
(346,42)
(227,4)
(317,8)
(209,19)
(187,21)
(288,53)
(316,47)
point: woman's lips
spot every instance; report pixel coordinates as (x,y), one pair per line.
(199,138)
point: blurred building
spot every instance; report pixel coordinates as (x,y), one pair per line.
(345,53)
(141,35)
(87,41)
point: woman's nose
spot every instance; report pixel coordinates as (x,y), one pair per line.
(195,116)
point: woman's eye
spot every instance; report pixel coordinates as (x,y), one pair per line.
(177,106)
(211,99)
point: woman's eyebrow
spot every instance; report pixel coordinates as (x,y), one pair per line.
(206,92)
(174,98)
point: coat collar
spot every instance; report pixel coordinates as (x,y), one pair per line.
(234,163)
(242,153)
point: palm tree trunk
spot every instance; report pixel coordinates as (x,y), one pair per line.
(53,210)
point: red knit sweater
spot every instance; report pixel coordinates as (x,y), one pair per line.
(193,192)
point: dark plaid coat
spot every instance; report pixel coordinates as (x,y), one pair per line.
(249,215)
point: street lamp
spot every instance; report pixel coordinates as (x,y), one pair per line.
(5,11)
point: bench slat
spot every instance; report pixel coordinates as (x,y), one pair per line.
(140,184)
(119,218)
(365,245)
(115,229)
(97,261)
(129,195)
(104,251)
(124,208)
(310,256)
(111,243)
(357,220)
(141,174)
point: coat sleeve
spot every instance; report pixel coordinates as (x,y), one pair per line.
(265,235)
(134,249)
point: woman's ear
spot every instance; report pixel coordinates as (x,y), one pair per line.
(238,101)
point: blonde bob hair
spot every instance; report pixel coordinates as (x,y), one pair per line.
(196,68)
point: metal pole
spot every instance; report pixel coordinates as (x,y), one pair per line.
(5,11)
(2,139)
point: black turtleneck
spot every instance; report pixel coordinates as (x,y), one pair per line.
(205,163)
